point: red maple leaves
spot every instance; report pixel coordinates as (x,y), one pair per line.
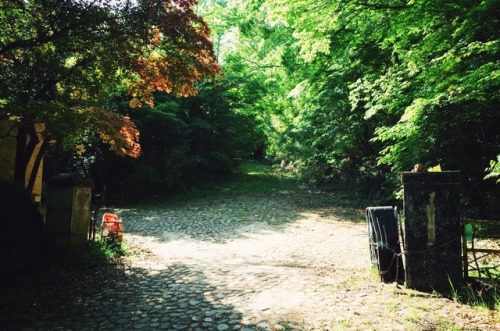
(178,53)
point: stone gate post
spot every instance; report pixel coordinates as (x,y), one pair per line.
(432,230)
(68,213)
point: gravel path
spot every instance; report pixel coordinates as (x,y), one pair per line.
(243,262)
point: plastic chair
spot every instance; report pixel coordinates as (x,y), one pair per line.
(112,227)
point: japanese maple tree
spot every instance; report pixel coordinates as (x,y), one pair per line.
(61,61)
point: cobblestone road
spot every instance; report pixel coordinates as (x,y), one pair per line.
(274,262)
(231,264)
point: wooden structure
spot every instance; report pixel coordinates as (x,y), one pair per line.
(481,250)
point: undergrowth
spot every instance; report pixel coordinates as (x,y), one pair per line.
(477,294)
(101,251)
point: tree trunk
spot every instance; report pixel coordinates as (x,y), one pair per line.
(36,164)
(26,139)
(20,163)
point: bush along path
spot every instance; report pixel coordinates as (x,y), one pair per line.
(260,253)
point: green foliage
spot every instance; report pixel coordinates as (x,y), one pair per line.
(350,93)
(494,170)
(185,142)
(100,252)
(62,62)
(354,92)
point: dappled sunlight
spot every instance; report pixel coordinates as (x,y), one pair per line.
(235,232)
(237,262)
(280,249)
(255,173)
(310,215)
(277,299)
(296,261)
(268,273)
(151,218)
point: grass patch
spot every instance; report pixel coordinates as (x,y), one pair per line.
(101,251)
(250,178)
(253,177)
(253,168)
(477,294)
(486,271)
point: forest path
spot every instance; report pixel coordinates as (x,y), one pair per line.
(264,260)
(278,258)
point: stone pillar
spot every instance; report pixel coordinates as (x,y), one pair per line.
(68,213)
(432,231)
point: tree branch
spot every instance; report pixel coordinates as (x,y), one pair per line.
(36,164)
(381,6)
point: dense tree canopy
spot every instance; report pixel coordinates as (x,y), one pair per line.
(346,93)
(353,92)
(62,60)
(185,142)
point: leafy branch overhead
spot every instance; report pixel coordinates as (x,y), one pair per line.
(353,92)
(61,55)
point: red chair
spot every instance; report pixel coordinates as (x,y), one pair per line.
(112,227)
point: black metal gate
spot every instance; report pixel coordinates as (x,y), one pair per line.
(385,248)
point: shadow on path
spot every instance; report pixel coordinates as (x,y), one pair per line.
(162,294)
(225,217)
(176,297)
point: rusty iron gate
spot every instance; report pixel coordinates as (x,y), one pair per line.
(481,250)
